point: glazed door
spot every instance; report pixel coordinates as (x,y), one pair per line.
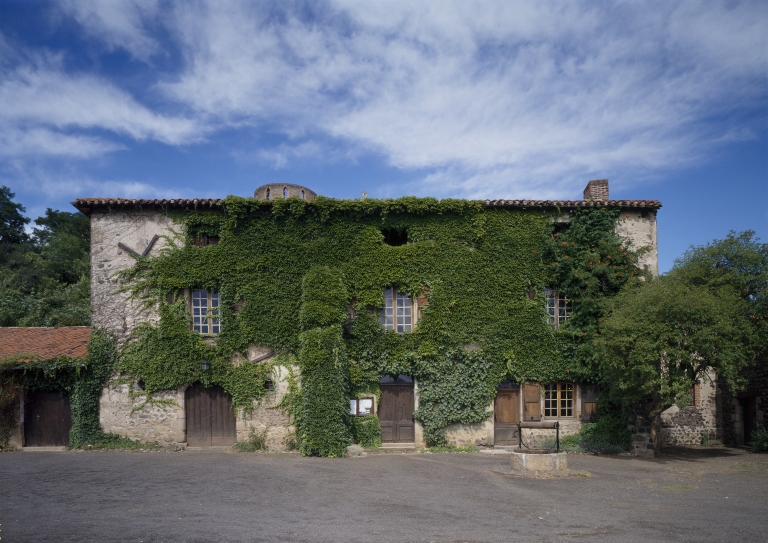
(506,415)
(210,418)
(396,413)
(47,419)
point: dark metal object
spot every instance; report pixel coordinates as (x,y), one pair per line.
(127,249)
(548,425)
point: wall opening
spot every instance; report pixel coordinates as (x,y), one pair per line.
(395,237)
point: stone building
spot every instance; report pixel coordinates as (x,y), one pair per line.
(121,229)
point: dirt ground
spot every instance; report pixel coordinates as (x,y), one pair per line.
(198,496)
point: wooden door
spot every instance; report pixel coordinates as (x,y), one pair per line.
(396,413)
(47,419)
(749,408)
(210,417)
(506,415)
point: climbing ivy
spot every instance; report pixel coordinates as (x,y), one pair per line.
(311,277)
(82,378)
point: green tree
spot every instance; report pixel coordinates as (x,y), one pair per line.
(658,339)
(12,221)
(738,263)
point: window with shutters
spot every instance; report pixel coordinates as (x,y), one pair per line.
(559,400)
(589,402)
(559,307)
(205,311)
(397,313)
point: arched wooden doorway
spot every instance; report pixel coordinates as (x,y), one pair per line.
(210,418)
(47,419)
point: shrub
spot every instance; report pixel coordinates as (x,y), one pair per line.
(760,439)
(257,441)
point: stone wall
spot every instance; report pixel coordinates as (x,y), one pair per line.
(166,424)
(111,309)
(695,424)
(638,227)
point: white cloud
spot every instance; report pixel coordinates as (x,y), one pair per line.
(488,98)
(119,24)
(499,92)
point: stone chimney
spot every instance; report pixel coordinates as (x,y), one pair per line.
(596,189)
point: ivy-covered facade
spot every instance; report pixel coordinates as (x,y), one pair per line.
(337,321)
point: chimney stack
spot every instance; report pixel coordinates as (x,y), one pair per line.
(596,189)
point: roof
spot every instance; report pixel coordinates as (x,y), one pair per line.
(648,204)
(46,343)
(88,205)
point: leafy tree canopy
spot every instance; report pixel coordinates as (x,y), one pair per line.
(44,278)
(740,263)
(12,221)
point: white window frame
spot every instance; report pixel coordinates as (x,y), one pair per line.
(558,306)
(206,311)
(399,312)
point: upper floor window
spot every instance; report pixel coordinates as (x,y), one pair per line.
(558,400)
(397,313)
(559,307)
(302,194)
(205,311)
(285,192)
(268,194)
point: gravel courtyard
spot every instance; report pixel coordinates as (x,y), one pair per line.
(200,496)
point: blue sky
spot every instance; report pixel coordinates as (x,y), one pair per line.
(152,99)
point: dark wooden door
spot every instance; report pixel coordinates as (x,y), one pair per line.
(47,419)
(210,417)
(506,415)
(749,408)
(396,413)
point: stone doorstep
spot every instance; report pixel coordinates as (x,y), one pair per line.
(217,448)
(397,447)
(43,449)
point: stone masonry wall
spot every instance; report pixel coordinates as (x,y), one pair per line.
(638,227)
(694,424)
(113,310)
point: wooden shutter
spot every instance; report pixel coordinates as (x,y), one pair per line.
(589,402)
(175,296)
(532,402)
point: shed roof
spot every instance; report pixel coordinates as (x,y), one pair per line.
(45,343)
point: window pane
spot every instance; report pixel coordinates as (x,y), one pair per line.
(353,407)
(365,406)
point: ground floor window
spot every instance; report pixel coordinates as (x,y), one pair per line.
(359,407)
(558,400)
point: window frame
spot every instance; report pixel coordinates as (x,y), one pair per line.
(357,401)
(561,389)
(411,307)
(210,314)
(558,306)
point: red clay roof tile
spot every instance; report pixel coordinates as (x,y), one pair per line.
(46,343)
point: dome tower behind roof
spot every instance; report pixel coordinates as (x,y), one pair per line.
(274,191)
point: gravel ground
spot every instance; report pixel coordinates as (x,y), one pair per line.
(688,495)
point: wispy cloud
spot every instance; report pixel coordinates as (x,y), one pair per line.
(487,98)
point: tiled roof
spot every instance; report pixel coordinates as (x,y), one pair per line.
(573,203)
(46,343)
(87,205)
